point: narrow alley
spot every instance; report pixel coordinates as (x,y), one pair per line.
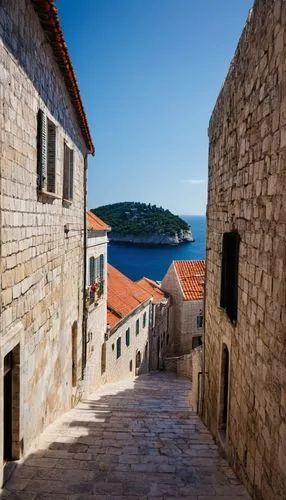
(134,439)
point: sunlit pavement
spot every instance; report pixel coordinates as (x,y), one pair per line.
(134,439)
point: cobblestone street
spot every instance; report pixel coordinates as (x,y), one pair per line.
(136,439)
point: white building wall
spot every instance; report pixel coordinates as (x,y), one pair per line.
(119,369)
(97,313)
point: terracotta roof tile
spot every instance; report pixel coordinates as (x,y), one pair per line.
(94,223)
(123,295)
(153,288)
(191,274)
(49,19)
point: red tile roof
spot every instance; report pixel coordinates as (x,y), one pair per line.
(123,295)
(153,288)
(49,19)
(191,274)
(94,223)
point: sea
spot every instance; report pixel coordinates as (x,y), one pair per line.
(153,262)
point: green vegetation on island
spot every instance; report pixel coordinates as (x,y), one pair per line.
(134,218)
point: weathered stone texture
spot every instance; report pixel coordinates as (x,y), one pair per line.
(247,183)
(41,270)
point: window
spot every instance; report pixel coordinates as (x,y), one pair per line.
(200,320)
(138,359)
(144,319)
(91,270)
(229,274)
(68,173)
(127,337)
(130,366)
(196,341)
(137,326)
(118,347)
(46,146)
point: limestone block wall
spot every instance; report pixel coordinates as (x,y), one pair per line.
(124,367)
(160,338)
(41,268)
(171,285)
(183,314)
(247,185)
(190,310)
(97,313)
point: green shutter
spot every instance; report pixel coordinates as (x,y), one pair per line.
(118,348)
(42,150)
(51,157)
(127,337)
(66,173)
(91,270)
(71,169)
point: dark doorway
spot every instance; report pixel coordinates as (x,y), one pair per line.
(11,410)
(224,390)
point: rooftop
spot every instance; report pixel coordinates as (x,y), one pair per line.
(94,223)
(49,19)
(153,288)
(123,295)
(191,274)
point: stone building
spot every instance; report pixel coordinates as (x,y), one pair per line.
(44,144)
(184,282)
(159,337)
(245,325)
(126,350)
(96,298)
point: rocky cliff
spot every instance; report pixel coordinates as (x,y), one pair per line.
(153,238)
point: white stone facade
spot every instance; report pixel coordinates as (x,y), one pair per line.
(183,315)
(97,311)
(124,366)
(41,264)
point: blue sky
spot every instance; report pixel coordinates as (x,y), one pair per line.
(149,72)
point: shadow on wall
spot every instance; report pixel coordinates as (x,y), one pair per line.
(105,444)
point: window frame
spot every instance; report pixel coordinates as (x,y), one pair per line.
(137,327)
(68,173)
(118,348)
(47,144)
(230,274)
(127,337)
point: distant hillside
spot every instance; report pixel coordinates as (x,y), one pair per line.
(134,222)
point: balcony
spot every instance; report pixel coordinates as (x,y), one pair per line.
(94,292)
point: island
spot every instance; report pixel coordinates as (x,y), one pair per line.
(143,224)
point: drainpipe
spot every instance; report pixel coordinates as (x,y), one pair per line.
(84,315)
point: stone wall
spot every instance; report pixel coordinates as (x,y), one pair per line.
(183,315)
(124,367)
(247,185)
(41,268)
(159,333)
(97,313)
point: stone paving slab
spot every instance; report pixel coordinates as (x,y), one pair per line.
(132,440)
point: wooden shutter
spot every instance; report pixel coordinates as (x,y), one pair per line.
(66,173)
(118,347)
(91,270)
(229,274)
(71,170)
(51,158)
(223,286)
(101,267)
(42,150)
